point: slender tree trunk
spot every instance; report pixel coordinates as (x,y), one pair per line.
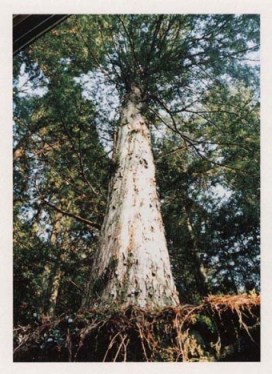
(55,287)
(201,276)
(132,264)
(52,274)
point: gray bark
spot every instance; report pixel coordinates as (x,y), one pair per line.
(132,264)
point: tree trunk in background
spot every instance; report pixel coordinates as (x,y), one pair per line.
(132,263)
(201,275)
(52,273)
(54,292)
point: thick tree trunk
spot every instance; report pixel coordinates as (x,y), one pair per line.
(132,263)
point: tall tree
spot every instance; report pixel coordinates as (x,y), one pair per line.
(176,78)
(132,265)
(154,60)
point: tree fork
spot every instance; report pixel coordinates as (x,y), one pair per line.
(132,265)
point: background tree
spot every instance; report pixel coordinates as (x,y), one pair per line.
(53,187)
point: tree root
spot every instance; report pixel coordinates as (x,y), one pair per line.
(222,328)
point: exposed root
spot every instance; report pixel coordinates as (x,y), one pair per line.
(233,302)
(221,328)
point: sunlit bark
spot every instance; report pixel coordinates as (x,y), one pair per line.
(132,263)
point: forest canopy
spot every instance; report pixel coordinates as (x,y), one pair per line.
(198,83)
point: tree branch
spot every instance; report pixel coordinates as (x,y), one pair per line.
(79,157)
(72,215)
(190,141)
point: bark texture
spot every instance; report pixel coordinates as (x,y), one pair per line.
(132,263)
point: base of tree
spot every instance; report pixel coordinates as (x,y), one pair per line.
(222,328)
